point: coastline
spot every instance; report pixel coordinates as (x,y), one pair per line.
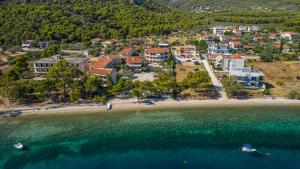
(131,105)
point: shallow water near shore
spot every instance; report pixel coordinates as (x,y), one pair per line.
(206,137)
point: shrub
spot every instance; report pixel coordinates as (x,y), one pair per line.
(294,95)
(280,83)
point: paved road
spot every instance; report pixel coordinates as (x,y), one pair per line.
(217,84)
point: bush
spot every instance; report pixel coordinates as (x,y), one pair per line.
(267,92)
(294,95)
(280,83)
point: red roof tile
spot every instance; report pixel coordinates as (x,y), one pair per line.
(101,72)
(156,50)
(134,59)
(127,51)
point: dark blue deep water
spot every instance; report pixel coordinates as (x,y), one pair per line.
(197,138)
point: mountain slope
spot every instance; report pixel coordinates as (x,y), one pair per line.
(235,4)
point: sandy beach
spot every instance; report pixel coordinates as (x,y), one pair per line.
(132,105)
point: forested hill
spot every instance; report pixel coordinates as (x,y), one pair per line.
(293,5)
(76,21)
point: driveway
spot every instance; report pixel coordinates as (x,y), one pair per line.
(217,84)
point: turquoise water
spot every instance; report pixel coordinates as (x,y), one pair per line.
(206,138)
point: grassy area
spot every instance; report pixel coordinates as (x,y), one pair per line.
(283,76)
(185,67)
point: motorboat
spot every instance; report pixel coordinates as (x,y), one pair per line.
(248,148)
(108,106)
(19,146)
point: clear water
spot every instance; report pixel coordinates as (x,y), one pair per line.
(207,138)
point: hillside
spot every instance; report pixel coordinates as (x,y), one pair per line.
(235,4)
(76,21)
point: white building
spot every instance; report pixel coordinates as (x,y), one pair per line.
(218,30)
(42,66)
(229,62)
(249,77)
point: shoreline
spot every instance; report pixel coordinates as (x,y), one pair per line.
(132,105)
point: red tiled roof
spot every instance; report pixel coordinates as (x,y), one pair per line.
(156,50)
(103,62)
(233,56)
(291,33)
(134,59)
(237,43)
(248,47)
(101,72)
(127,51)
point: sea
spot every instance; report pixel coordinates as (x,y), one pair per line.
(175,138)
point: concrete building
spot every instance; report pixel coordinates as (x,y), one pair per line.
(249,77)
(156,56)
(42,66)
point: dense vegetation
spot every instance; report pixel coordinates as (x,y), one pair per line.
(79,21)
(235,4)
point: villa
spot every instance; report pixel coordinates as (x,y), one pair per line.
(249,77)
(218,48)
(129,51)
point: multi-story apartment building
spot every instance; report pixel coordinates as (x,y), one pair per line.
(156,55)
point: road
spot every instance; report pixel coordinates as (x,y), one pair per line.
(217,84)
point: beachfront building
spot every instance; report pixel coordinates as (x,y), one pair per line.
(42,66)
(155,56)
(106,65)
(135,63)
(229,62)
(249,77)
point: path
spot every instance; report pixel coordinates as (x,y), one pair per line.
(217,84)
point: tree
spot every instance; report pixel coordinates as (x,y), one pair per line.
(62,74)
(197,80)
(93,86)
(136,93)
(231,87)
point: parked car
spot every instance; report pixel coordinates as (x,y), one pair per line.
(148,102)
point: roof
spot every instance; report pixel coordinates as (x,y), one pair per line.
(55,58)
(289,33)
(237,43)
(246,71)
(103,62)
(101,72)
(248,47)
(134,59)
(127,51)
(156,50)
(233,56)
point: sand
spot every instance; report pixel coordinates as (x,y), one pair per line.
(132,105)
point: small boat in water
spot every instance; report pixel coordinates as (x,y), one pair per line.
(108,106)
(19,146)
(247,148)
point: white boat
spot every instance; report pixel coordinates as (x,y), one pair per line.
(248,148)
(108,106)
(19,146)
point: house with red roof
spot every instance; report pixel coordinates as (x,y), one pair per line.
(106,65)
(236,45)
(288,35)
(135,63)
(156,56)
(129,51)
(228,62)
